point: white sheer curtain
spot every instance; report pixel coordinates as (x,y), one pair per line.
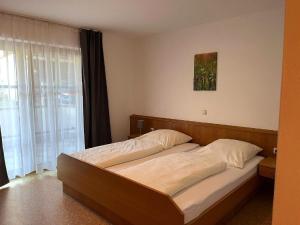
(41,112)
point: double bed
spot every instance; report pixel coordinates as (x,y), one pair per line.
(124,201)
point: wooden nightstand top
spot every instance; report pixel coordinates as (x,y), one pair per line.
(268,162)
(267,167)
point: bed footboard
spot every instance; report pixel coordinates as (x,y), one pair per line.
(118,199)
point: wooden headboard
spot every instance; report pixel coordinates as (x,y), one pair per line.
(205,133)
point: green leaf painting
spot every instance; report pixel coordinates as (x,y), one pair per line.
(205,72)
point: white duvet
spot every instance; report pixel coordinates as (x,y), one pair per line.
(172,173)
(119,152)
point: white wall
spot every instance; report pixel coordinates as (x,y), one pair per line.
(249,72)
(154,75)
(119,57)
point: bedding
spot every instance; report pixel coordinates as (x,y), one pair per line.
(166,137)
(196,199)
(119,152)
(174,172)
(179,148)
(234,152)
(112,154)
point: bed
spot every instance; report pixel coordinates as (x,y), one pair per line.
(124,202)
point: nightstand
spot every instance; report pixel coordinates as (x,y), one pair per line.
(267,167)
(130,136)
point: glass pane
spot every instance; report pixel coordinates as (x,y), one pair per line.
(11,69)
(7,68)
(3,69)
(8,97)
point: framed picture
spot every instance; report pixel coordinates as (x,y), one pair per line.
(205,72)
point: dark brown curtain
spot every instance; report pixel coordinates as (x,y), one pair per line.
(3,172)
(95,101)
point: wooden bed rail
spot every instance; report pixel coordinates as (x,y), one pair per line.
(120,200)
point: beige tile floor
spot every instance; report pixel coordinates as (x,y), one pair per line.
(39,200)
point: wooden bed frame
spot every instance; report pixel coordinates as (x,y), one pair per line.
(125,202)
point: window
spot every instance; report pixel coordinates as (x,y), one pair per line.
(40,104)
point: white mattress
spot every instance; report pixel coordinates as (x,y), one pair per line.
(197,198)
(179,148)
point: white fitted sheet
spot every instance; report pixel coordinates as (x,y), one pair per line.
(197,198)
(179,148)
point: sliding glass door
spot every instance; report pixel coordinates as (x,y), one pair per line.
(40,104)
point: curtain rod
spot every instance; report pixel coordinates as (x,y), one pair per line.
(45,20)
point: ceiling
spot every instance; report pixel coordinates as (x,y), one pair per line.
(137,17)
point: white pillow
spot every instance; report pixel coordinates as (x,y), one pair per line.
(234,152)
(167,138)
